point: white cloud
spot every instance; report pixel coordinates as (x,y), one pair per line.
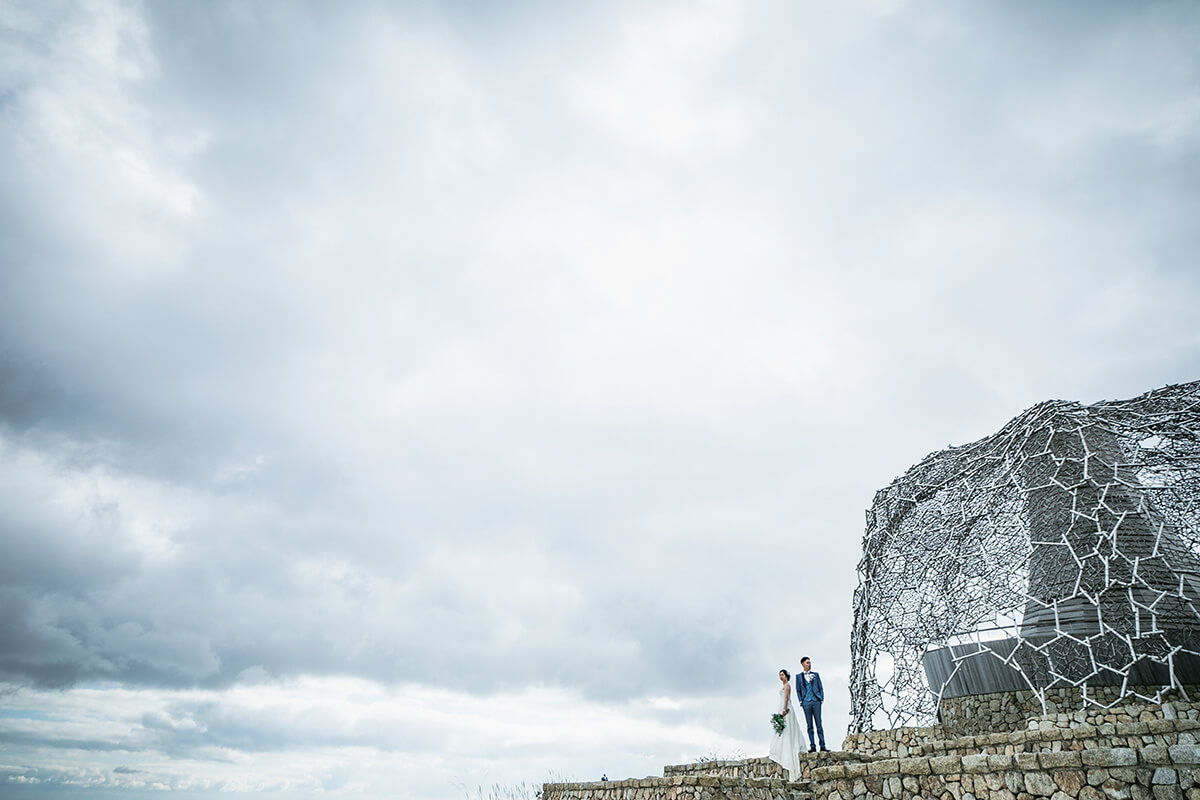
(295,735)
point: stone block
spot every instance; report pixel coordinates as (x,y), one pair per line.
(1096,757)
(1161,725)
(910,784)
(915,766)
(1167,792)
(1116,790)
(1027,761)
(1061,796)
(1163,776)
(1014,781)
(855,770)
(887,766)
(1155,755)
(1096,777)
(1090,793)
(943,765)
(1184,754)
(975,763)
(1060,760)
(1070,781)
(1040,784)
(998,763)
(1139,792)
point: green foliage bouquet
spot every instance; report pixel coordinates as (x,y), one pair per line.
(779,723)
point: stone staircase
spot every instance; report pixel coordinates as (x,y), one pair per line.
(1134,752)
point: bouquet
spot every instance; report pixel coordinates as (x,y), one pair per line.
(779,723)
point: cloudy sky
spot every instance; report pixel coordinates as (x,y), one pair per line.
(403,397)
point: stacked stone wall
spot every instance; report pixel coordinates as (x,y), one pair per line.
(1148,773)
(1010,711)
(905,742)
(1160,732)
(745,768)
(762,767)
(894,743)
(684,787)
(1130,752)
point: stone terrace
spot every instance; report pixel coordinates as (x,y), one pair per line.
(1132,752)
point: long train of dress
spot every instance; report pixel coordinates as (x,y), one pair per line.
(786,746)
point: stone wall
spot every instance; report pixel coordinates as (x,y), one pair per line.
(762,767)
(1009,711)
(1129,752)
(1160,732)
(1149,773)
(683,787)
(903,742)
(894,743)
(745,768)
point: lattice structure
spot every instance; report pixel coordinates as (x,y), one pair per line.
(1062,551)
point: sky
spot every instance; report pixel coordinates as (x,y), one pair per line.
(403,398)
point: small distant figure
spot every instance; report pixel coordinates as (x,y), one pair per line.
(787,741)
(811,694)
(604,777)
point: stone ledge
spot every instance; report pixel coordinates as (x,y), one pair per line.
(764,767)
(1080,737)
(655,788)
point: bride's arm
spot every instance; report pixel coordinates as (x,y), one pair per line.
(787,696)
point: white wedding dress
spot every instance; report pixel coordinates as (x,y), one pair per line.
(786,746)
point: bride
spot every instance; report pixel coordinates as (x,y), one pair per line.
(786,746)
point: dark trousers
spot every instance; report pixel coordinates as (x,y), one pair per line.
(812,710)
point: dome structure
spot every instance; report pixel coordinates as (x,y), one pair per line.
(1060,553)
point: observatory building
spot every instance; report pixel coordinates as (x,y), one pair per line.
(1051,565)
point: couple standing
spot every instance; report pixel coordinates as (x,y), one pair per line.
(786,745)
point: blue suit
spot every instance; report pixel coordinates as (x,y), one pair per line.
(811,694)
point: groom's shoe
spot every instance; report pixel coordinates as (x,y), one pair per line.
(812,749)
(824,749)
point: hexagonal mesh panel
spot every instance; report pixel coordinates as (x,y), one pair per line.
(1062,551)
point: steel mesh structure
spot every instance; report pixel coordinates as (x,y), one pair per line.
(1062,551)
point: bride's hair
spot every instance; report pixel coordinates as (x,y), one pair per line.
(786,673)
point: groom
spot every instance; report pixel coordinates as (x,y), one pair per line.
(810,694)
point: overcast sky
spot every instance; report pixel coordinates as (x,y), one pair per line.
(403,396)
